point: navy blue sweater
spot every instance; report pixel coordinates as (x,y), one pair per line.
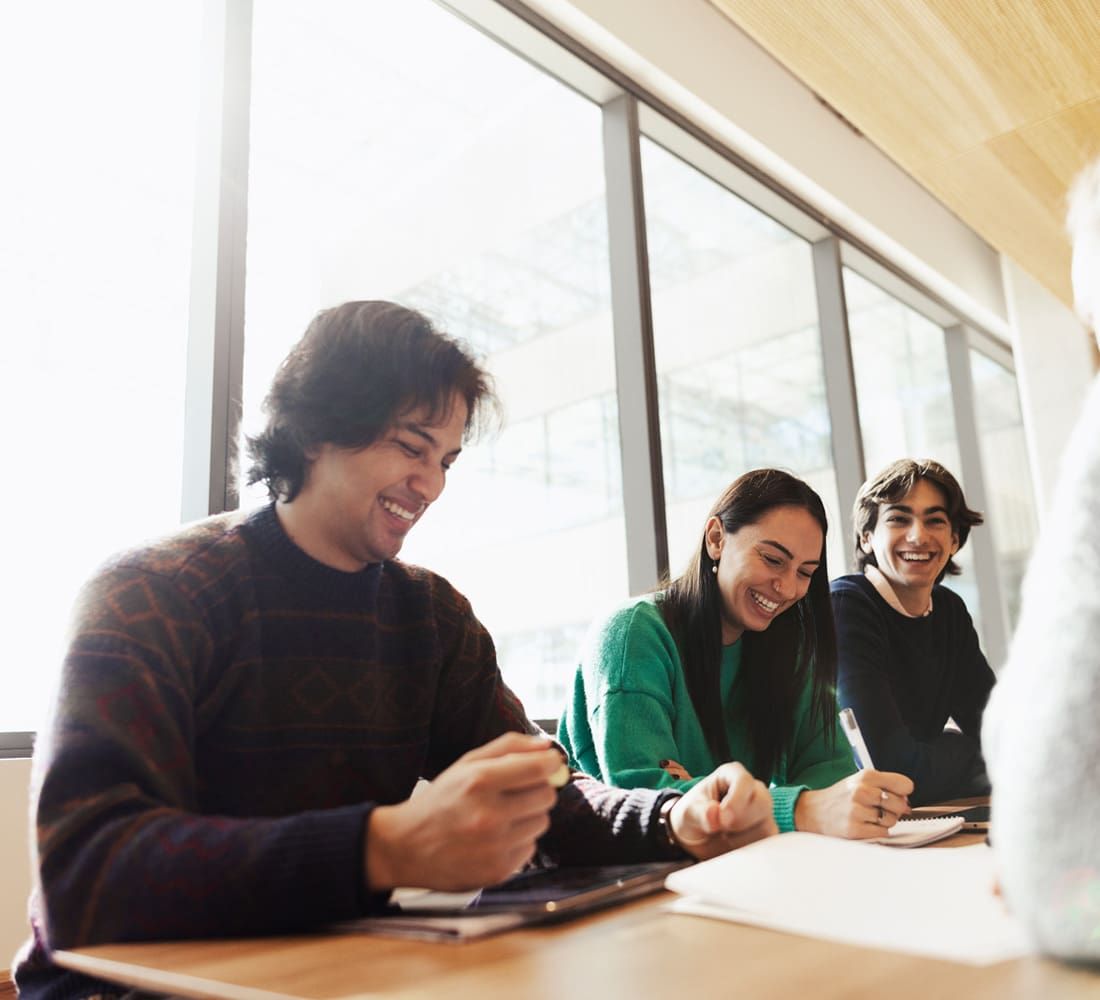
(904,677)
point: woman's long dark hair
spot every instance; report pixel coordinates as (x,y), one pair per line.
(775,663)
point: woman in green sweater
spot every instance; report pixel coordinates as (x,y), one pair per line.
(734,660)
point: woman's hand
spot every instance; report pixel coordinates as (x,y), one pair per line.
(728,808)
(865,804)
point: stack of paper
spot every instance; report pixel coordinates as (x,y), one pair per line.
(937,902)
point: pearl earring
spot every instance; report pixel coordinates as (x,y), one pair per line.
(714,567)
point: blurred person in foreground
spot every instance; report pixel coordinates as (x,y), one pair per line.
(1042,727)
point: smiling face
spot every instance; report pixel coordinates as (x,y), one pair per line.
(357,505)
(912,541)
(764,568)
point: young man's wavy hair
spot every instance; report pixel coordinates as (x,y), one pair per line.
(359,367)
(776,663)
(891,484)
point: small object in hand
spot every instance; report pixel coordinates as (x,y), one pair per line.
(560,778)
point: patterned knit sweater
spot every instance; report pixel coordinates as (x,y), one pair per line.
(230,711)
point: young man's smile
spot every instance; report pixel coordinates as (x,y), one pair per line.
(912,541)
(357,505)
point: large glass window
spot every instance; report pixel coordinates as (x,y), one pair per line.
(737,346)
(904,393)
(398,153)
(1007,473)
(96,192)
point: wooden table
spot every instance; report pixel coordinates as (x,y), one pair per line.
(633,951)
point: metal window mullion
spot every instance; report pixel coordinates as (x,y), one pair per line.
(212,401)
(635,362)
(994,618)
(840,380)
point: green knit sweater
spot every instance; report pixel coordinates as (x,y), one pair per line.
(631,711)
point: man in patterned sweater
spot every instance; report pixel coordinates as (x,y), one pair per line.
(246,706)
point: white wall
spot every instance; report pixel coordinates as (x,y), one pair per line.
(1054,364)
(15,866)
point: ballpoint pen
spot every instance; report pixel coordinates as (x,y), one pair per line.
(855,738)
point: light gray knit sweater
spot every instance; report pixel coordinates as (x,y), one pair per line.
(1041,733)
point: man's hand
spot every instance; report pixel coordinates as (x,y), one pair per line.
(865,804)
(474,825)
(727,809)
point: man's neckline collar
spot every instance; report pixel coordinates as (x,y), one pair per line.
(886,592)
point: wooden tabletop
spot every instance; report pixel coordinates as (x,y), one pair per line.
(637,950)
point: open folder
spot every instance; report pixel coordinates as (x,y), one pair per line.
(934,902)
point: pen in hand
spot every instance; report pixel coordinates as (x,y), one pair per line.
(855,739)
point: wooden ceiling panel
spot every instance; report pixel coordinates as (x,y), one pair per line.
(974,184)
(1060,143)
(991,104)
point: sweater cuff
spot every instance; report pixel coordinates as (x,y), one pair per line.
(369,900)
(667,844)
(784,798)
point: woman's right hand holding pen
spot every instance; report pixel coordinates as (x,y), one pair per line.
(865,804)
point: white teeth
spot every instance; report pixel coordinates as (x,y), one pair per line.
(406,515)
(767,605)
(916,556)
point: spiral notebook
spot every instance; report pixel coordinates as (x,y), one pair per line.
(915,832)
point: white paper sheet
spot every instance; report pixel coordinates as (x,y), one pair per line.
(936,902)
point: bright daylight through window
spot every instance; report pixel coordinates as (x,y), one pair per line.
(95,262)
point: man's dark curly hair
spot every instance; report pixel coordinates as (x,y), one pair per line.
(360,366)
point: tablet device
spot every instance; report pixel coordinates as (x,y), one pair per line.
(974,817)
(553,892)
(539,895)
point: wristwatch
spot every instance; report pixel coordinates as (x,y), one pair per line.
(664,821)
